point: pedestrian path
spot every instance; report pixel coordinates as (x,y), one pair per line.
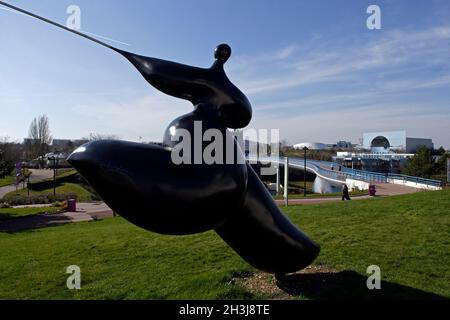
(85,212)
(383,190)
(7,189)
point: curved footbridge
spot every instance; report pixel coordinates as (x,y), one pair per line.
(330,176)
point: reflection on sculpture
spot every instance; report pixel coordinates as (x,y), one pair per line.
(141,182)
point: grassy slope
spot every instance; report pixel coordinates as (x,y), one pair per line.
(310,193)
(117,260)
(6,181)
(325,195)
(82,194)
(407,236)
(10,213)
(65,173)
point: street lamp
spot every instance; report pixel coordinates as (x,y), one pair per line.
(54,160)
(286,181)
(28,183)
(304,172)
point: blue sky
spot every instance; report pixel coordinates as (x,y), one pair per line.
(310,68)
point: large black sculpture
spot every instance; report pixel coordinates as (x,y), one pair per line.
(141,182)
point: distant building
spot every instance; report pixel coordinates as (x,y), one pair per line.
(386,162)
(64,143)
(344,145)
(312,146)
(395,141)
(388,151)
(28,141)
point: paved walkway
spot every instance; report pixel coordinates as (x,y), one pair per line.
(383,189)
(85,212)
(36,175)
(40,174)
(7,189)
(390,189)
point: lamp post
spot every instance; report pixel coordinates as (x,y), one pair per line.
(278,179)
(54,160)
(286,181)
(28,184)
(304,172)
(448,170)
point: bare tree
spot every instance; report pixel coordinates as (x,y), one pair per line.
(39,137)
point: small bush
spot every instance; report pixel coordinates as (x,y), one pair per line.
(4,205)
(39,199)
(61,204)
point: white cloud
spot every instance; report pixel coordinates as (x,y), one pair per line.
(338,63)
(145,117)
(321,116)
(334,125)
(371,84)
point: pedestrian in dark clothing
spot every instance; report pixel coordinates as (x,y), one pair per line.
(345,195)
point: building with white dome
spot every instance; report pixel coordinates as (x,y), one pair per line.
(393,140)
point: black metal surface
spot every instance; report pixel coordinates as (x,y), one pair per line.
(263,236)
(142,183)
(208,87)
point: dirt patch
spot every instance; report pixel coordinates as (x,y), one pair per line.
(324,283)
(289,286)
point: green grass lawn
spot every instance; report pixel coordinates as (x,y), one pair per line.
(60,173)
(6,181)
(406,236)
(65,188)
(300,185)
(12,213)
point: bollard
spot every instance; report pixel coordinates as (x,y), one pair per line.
(72,205)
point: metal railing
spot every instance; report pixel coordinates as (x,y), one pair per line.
(417,180)
(344,173)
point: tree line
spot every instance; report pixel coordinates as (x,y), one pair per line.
(37,144)
(428,163)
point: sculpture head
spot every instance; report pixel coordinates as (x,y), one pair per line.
(222,52)
(209,89)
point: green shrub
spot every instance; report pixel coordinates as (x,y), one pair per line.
(61,204)
(4,205)
(39,199)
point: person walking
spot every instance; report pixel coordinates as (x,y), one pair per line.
(345,195)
